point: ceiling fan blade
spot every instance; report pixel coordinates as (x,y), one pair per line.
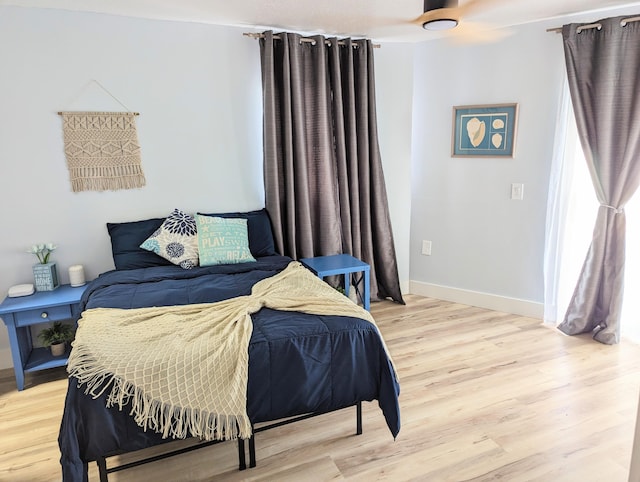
(431,15)
(437,12)
(474,33)
(472,6)
(452,9)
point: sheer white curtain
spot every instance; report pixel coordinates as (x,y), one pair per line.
(631,306)
(557,206)
(571,211)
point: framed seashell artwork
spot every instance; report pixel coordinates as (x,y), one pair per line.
(484,130)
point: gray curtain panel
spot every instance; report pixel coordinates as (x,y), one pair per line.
(324,184)
(603,67)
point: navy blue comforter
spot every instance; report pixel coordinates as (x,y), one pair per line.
(298,363)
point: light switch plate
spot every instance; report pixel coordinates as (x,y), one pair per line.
(517,191)
(426,247)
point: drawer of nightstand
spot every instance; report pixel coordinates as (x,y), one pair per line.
(42,315)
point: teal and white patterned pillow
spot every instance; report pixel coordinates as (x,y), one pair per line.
(176,240)
(223,241)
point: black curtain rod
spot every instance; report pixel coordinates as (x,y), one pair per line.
(302,39)
(598,26)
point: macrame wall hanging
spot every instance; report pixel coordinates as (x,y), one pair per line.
(102,150)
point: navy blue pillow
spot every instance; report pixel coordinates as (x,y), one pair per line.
(126,239)
(260,232)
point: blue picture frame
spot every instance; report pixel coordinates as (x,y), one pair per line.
(484,130)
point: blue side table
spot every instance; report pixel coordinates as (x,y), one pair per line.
(19,314)
(341,264)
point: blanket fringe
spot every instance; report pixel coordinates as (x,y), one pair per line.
(168,420)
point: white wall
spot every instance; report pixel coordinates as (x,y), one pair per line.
(487,249)
(199,128)
(394,89)
(198,90)
(482,240)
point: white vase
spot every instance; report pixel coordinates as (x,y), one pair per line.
(58,349)
(45,276)
(76,275)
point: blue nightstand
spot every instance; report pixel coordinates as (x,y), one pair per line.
(341,264)
(19,314)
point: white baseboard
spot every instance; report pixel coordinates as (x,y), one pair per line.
(405,287)
(475,298)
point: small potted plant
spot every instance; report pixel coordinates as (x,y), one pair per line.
(56,337)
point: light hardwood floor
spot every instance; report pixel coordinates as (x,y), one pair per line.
(485,396)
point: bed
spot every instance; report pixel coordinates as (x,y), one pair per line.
(298,363)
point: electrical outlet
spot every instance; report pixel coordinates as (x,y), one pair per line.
(426,248)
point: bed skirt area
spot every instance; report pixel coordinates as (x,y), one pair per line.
(104,469)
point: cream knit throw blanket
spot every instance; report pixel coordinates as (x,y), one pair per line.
(185,367)
(102,151)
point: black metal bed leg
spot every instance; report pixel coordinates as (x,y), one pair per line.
(242,460)
(252,451)
(102,469)
(359,418)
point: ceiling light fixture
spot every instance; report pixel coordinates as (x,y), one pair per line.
(440,17)
(440,24)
